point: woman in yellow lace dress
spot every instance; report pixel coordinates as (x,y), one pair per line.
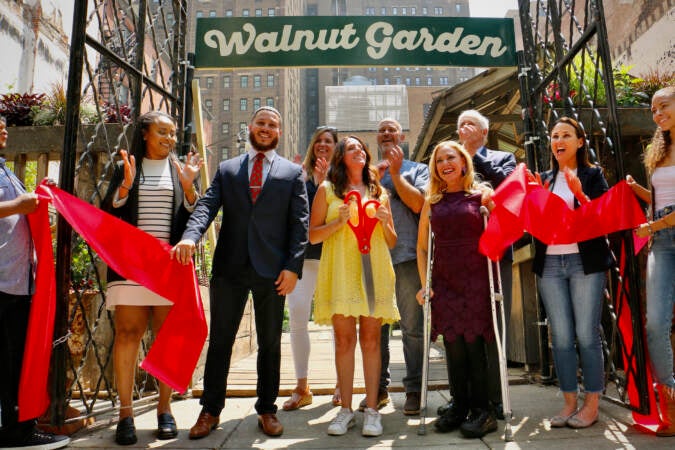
(340,298)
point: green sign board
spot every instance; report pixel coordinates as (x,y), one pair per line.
(313,41)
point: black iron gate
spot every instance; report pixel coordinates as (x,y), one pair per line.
(566,70)
(127,57)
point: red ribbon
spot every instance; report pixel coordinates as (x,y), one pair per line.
(524,206)
(133,254)
(364,229)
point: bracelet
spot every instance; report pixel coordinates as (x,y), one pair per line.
(649,228)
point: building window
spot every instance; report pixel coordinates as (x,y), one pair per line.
(270,12)
(225,128)
(243,81)
(243,104)
(209,82)
(443,81)
(425,11)
(438,11)
(413,11)
(200,14)
(370,11)
(208,104)
(397,80)
(386,81)
(226,81)
(372,69)
(430,81)
(258,12)
(245,12)
(383,11)
(257,83)
(224,153)
(270,80)
(256,104)
(407,81)
(418,81)
(404,11)
(394,10)
(212,13)
(226,104)
(242,126)
(269,101)
(228,13)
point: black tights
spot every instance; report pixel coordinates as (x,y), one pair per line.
(467,372)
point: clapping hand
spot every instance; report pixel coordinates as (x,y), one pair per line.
(188,171)
(129,168)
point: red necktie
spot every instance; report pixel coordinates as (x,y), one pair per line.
(255,183)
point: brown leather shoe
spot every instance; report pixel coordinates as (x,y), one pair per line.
(270,424)
(205,424)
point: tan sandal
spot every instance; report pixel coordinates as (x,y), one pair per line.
(298,400)
(337,399)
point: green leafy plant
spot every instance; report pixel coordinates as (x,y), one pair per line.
(18,108)
(53,109)
(627,88)
(82,270)
(585,82)
(655,79)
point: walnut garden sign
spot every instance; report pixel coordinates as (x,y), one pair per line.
(294,41)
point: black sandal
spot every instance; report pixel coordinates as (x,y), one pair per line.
(126,432)
(166,426)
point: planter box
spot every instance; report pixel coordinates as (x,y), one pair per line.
(33,141)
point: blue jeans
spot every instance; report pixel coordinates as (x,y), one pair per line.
(660,301)
(573,303)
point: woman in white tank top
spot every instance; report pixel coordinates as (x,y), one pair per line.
(660,165)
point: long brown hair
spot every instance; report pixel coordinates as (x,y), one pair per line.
(338,172)
(583,159)
(657,151)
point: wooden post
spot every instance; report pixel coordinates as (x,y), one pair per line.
(199,133)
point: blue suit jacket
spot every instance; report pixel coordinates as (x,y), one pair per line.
(271,234)
(493,165)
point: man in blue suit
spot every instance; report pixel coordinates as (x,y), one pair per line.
(492,166)
(260,250)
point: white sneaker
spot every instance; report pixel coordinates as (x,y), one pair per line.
(372,423)
(342,422)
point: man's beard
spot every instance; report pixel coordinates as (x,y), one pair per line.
(262,147)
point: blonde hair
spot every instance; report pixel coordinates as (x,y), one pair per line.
(436,185)
(657,151)
(310,158)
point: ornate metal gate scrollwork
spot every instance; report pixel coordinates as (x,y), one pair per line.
(566,70)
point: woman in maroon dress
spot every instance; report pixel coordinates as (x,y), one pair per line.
(460,305)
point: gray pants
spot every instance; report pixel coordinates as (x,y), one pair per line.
(411,323)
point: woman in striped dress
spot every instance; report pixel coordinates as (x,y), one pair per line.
(152,190)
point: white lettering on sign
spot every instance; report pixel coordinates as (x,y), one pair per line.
(380,37)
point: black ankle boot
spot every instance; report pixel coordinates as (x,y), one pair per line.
(480,423)
(452,418)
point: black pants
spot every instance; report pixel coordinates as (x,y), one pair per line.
(467,372)
(14,310)
(228,297)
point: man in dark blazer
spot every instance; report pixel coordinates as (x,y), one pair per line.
(260,250)
(492,166)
